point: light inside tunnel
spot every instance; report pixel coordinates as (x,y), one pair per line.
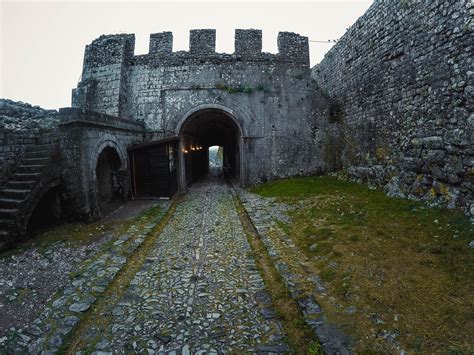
(216,160)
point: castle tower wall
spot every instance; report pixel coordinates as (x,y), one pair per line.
(268,93)
(103,84)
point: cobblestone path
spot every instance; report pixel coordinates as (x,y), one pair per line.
(198,290)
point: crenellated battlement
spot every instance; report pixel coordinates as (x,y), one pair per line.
(293,47)
(202,42)
(112,74)
(248,43)
(119,48)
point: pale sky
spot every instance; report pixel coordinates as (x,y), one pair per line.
(42,42)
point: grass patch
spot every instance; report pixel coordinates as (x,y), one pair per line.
(405,267)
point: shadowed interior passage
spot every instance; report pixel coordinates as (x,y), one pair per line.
(206,128)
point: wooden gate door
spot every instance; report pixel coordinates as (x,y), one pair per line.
(154,168)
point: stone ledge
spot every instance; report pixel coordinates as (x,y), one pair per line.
(70,116)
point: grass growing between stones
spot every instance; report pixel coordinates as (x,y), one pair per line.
(300,336)
(397,273)
(98,317)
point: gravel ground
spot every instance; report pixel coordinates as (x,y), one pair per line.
(30,278)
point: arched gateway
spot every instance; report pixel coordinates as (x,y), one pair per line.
(201,128)
(166,108)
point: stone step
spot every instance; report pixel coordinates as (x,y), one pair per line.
(51,143)
(10,203)
(15,193)
(52,139)
(41,147)
(8,213)
(26,169)
(35,161)
(43,154)
(25,177)
(49,134)
(20,184)
(53,136)
(6,223)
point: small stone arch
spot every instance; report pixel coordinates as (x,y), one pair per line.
(36,196)
(99,206)
(104,143)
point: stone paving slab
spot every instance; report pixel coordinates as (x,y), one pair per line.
(56,321)
(198,291)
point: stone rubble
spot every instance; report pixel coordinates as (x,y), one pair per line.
(78,292)
(29,279)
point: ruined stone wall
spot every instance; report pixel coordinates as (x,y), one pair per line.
(269,94)
(401,84)
(20,125)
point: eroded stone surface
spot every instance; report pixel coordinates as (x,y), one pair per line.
(198,290)
(57,316)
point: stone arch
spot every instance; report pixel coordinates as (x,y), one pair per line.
(232,114)
(218,124)
(106,142)
(36,196)
(107,188)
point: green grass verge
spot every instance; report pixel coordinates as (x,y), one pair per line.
(406,268)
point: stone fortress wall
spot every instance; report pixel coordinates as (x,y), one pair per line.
(269,95)
(21,125)
(391,103)
(401,86)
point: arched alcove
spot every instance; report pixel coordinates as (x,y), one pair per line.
(47,212)
(108,165)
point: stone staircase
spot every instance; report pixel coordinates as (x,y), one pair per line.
(17,190)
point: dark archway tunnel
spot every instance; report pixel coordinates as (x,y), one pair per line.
(206,128)
(47,212)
